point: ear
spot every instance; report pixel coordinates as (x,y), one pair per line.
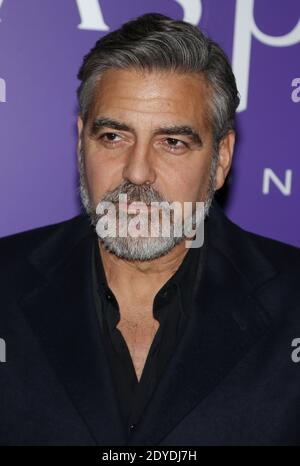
(226,147)
(80,134)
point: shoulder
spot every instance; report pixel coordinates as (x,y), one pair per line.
(281,255)
(250,250)
(15,247)
(271,269)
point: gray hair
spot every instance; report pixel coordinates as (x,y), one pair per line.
(157,42)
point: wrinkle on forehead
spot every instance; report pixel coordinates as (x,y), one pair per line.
(153,92)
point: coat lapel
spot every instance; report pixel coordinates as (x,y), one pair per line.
(226,322)
(61,313)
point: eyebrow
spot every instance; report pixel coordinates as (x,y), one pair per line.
(183,130)
(109,123)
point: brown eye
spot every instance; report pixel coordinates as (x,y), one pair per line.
(110,137)
(173,142)
(176,145)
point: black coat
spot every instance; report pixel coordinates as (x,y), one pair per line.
(231,381)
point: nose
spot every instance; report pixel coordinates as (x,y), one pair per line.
(138,168)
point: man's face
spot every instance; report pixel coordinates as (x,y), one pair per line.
(151,129)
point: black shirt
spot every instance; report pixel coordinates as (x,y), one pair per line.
(171,307)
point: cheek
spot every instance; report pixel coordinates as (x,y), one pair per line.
(200,176)
(102,176)
(188,183)
(97,179)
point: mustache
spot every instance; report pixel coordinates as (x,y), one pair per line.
(135,193)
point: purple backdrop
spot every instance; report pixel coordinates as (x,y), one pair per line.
(41,47)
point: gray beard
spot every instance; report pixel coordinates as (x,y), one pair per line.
(141,248)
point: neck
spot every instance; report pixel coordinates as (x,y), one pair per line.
(140,279)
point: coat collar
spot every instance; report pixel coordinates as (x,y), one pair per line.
(229,316)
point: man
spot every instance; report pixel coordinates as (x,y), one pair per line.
(143,339)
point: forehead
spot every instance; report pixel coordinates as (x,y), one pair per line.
(157,95)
